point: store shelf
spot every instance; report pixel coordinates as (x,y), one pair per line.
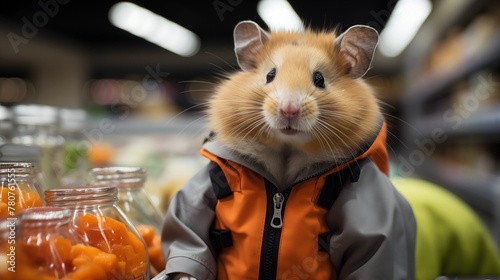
(446,14)
(432,86)
(476,190)
(485,124)
(448,106)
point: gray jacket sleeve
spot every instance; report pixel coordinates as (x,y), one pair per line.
(185,236)
(374,229)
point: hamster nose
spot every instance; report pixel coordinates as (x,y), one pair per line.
(289,110)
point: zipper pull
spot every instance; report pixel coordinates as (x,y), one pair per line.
(277,220)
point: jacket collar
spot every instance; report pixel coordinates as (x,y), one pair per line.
(375,149)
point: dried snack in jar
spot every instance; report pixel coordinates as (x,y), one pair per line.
(137,204)
(18,189)
(99,221)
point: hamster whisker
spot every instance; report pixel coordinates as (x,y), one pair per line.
(401,141)
(341,122)
(197,81)
(196,90)
(354,120)
(404,122)
(193,122)
(202,104)
(247,102)
(384,104)
(333,130)
(330,128)
(221,59)
(241,125)
(260,93)
(222,72)
(340,117)
(257,124)
(323,140)
(389,133)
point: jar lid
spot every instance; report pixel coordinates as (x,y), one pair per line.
(42,213)
(34,114)
(120,176)
(17,168)
(81,195)
(44,217)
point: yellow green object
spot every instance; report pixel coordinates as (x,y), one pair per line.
(451,239)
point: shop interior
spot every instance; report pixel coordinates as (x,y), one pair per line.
(131,98)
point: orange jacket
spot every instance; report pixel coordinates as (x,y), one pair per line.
(298,241)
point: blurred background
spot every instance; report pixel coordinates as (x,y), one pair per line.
(127,81)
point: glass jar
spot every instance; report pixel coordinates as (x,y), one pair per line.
(134,200)
(74,153)
(49,248)
(10,152)
(9,257)
(18,190)
(36,125)
(99,221)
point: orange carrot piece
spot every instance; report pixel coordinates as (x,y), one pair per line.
(89,271)
(4,209)
(147,232)
(63,247)
(156,257)
(107,261)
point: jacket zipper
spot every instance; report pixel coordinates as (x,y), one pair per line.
(277,219)
(276,203)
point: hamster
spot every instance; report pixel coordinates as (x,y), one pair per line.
(297,155)
(299,100)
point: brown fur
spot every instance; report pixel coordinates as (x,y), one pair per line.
(341,117)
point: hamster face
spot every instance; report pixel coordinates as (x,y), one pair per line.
(298,96)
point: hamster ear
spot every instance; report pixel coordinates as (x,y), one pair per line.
(249,39)
(357,45)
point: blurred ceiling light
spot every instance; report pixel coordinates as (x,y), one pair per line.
(154,28)
(403,24)
(279,14)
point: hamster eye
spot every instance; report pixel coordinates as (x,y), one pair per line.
(318,79)
(270,76)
